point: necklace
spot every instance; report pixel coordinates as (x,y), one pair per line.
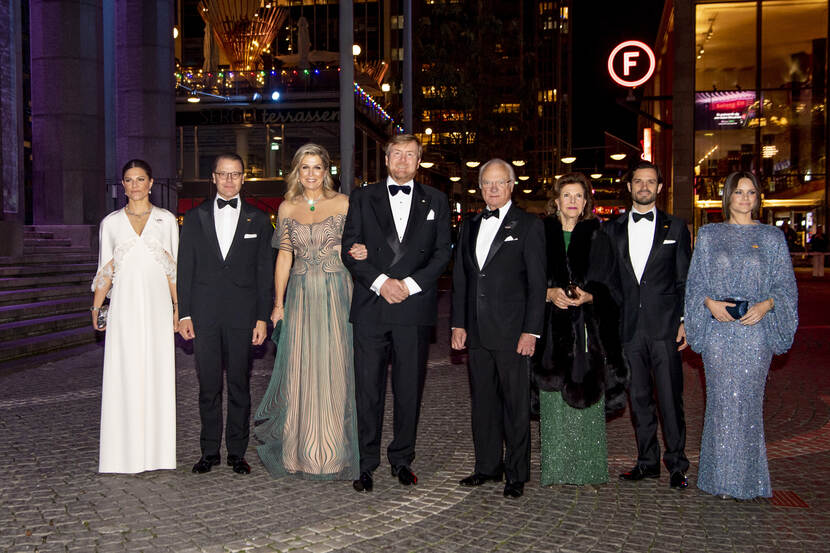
(310,202)
(142,214)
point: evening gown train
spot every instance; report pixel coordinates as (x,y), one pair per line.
(138,395)
(748,262)
(306,420)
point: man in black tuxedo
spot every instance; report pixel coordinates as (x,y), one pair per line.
(498,306)
(406,229)
(653,251)
(224,281)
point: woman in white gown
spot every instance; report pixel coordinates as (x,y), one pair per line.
(137,270)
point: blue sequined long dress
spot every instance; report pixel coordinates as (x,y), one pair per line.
(306,419)
(749,262)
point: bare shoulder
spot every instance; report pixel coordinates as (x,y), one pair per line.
(341,203)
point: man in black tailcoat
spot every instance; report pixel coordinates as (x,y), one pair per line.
(224,283)
(653,250)
(498,306)
(405,226)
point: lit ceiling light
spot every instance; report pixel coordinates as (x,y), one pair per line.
(385,87)
(356,49)
(175,33)
(427,164)
(472,164)
(556,176)
(596,176)
(527,190)
(518,162)
(618,157)
(193,98)
(428,131)
(471,191)
(523,177)
(275,95)
(568,159)
(455,179)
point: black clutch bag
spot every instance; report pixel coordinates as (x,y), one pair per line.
(735,311)
(275,336)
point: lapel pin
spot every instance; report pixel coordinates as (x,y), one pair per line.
(248,220)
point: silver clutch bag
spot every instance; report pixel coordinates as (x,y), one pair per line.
(102,315)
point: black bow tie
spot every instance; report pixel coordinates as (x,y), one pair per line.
(395,188)
(222,203)
(487,213)
(637,216)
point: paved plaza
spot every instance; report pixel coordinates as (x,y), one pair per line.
(52,499)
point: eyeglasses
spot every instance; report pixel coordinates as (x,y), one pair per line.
(235,175)
(495,184)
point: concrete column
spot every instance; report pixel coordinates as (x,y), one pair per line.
(242,144)
(145,97)
(683,115)
(67,111)
(11,131)
(346,29)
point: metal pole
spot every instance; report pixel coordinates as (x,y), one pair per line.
(346,96)
(407,66)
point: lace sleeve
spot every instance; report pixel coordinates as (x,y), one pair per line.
(164,258)
(103,278)
(282,237)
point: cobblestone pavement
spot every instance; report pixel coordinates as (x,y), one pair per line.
(51,498)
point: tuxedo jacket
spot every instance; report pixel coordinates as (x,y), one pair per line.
(655,304)
(505,297)
(235,291)
(423,253)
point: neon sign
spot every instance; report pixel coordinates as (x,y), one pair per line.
(635,60)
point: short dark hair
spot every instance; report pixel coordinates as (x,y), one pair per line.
(643,164)
(137,163)
(228,155)
(732,184)
(573,178)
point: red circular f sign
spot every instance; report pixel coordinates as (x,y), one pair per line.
(631,63)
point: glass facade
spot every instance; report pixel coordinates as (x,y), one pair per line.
(760,82)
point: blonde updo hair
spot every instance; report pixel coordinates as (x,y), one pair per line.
(572,178)
(293,187)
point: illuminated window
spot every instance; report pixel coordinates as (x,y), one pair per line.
(508,108)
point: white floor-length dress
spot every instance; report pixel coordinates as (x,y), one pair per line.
(138,396)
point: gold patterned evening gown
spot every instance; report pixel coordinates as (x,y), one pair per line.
(306,419)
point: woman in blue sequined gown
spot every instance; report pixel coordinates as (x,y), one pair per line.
(306,420)
(741,259)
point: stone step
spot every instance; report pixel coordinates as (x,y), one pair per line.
(20,312)
(36,234)
(53,249)
(29,295)
(37,242)
(50,258)
(29,270)
(61,279)
(43,325)
(32,345)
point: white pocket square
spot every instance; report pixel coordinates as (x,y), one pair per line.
(250,236)
(669,241)
(431,215)
(510,239)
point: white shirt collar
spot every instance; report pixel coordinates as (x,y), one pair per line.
(503,209)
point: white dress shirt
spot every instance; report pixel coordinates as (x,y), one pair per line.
(487,233)
(226,220)
(401,205)
(640,238)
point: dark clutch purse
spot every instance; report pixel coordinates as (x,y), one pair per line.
(736,311)
(275,336)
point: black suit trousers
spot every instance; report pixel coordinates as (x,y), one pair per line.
(500,393)
(657,367)
(409,347)
(216,346)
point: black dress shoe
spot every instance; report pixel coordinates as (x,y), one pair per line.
(639,472)
(204,464)
(239,464)
(678,480)
(514,490)
(405,475)
(478,479)
(364,483)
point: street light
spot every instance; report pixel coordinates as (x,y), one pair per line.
(356,49)
(428,131)
(568,159)
(385,87)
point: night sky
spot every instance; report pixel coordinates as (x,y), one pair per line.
(598,26)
